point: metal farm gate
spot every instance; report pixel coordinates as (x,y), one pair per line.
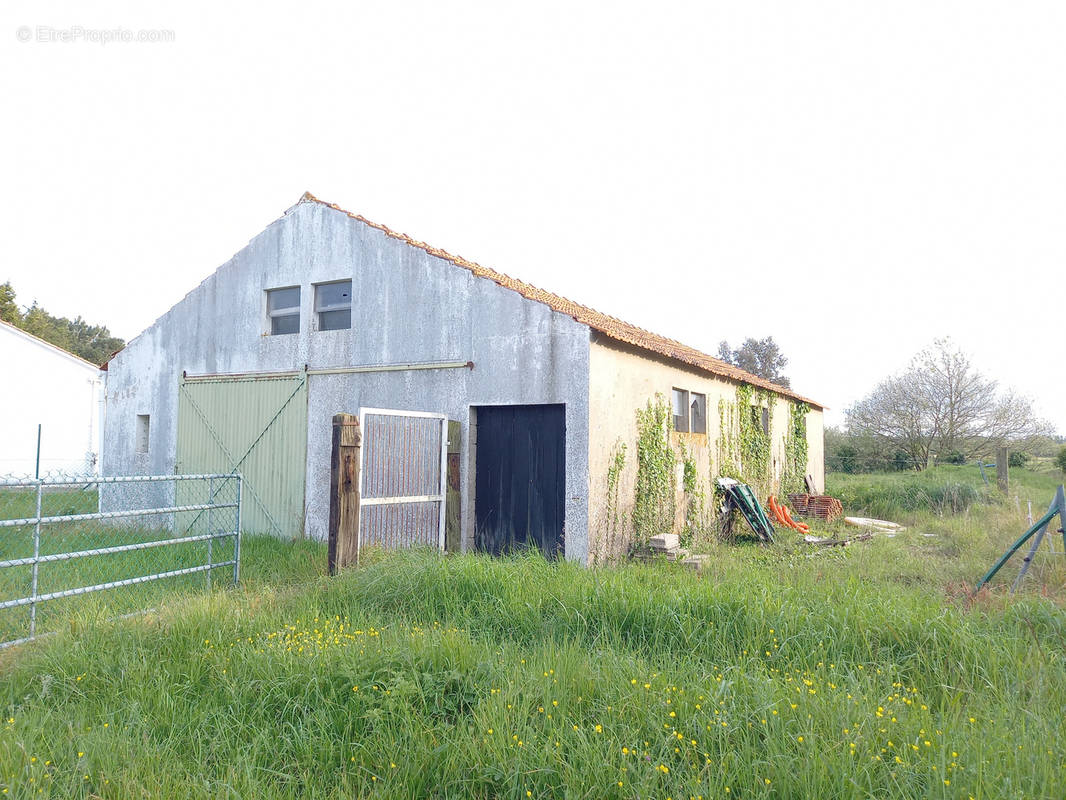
(403,478)
(255,426)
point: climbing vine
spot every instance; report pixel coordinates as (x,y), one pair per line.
(795,468)
(728,451)
(614,516)
(694,500)
(754,441)
(743,450)
(653,511)
(743,445)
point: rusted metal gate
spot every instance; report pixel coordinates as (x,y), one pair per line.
(402,478)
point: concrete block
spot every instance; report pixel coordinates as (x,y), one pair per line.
(665,541)
(696,562)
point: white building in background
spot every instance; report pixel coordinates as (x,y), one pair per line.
(64,394)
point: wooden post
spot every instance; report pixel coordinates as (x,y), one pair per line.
(344,493)
(1001,469)
(452,518)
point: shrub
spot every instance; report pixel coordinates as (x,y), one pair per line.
(1017,459)
(901,461)
(1060,459)
(845,459)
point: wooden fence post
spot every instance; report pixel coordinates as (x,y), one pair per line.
(452,505)
(1001,470)
(344,493)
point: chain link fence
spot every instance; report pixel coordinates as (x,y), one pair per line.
(74,549)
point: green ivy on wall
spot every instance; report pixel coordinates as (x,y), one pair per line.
(728,448)
(695,522)
(744,448)
(795,467)
(614,515)
(653,511)
(754,441)
(742,451)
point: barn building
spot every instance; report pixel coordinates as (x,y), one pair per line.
(58,391)
(528,397)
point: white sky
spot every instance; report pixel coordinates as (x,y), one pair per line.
(854,179)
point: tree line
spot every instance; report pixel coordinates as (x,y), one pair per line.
(94,343)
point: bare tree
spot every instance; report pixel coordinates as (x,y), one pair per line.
(897,417)
(942,404)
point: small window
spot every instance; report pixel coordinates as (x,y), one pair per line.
(698,413)
(765,420)
(333,305)
(680,410)
(143,425)
(283,309)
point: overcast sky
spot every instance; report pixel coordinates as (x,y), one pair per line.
(854,179)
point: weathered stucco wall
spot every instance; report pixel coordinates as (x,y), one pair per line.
(408,306)
(623,379)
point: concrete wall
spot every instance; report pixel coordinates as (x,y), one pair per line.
(622,379)
(57,390)
(408,306)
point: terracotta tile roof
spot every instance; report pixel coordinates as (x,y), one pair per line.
(609,326)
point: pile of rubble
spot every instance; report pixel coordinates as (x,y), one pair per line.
(669,545)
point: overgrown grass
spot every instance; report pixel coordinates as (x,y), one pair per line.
(21,503)
(17,542)
(778,672)
(941,490)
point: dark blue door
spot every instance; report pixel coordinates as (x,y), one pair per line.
(520,478)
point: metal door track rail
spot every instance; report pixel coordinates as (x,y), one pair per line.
(292,373)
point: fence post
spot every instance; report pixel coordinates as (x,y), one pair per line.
(237,534)
(344,493)
(453,502)
(1001,469)
(36,556)
(210,527)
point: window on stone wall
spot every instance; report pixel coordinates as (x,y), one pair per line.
(143,430)
(697,413)
(283,310)
(333,305)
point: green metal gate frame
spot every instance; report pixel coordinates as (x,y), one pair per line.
(237,462)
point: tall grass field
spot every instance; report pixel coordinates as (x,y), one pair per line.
(789,671)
